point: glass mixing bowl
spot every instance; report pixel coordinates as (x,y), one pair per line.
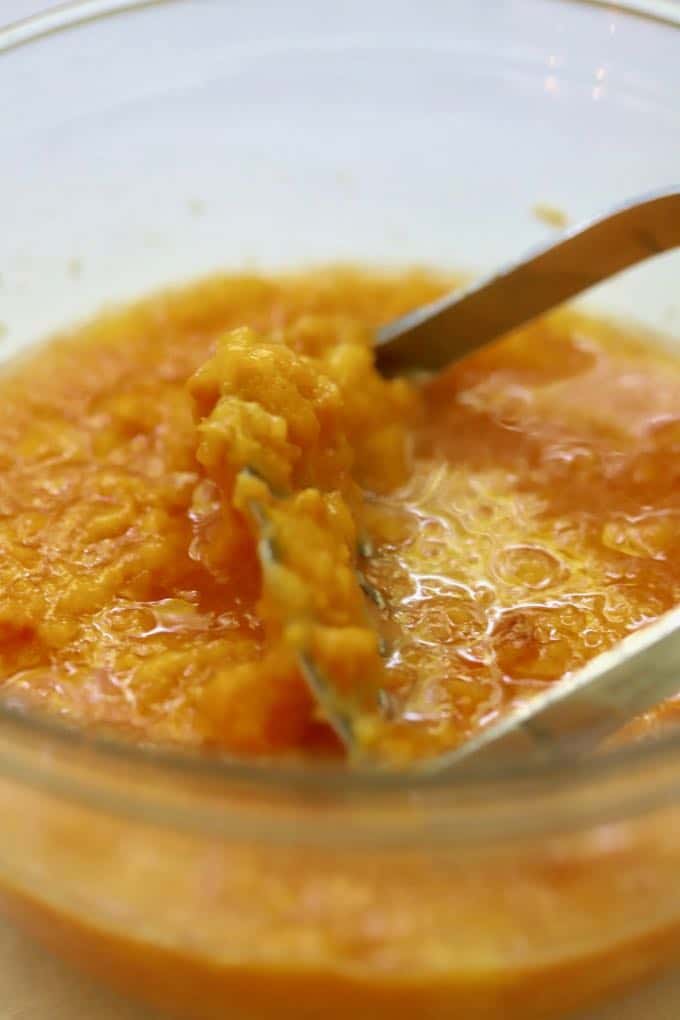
(146,143)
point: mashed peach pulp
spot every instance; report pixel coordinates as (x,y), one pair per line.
(197,494)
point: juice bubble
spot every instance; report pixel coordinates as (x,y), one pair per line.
(528,566)
(649,535)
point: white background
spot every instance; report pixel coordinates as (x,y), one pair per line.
(12,10)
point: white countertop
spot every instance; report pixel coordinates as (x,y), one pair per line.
(12,10)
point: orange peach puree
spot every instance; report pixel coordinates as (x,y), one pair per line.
(523,511)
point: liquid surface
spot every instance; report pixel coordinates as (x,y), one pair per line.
(523,511)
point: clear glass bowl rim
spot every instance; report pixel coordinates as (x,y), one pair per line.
(524,782)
